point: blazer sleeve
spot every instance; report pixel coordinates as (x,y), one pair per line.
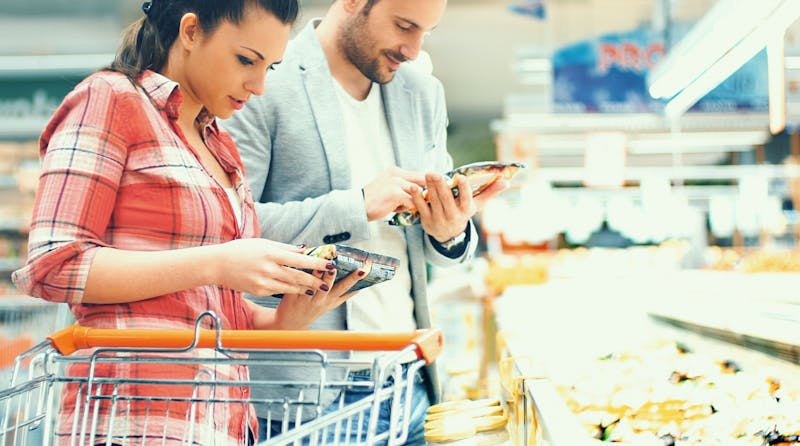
(334,217)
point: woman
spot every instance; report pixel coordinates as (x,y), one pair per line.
(143,218)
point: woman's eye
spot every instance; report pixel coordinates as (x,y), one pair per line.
(271,68)
(244,60)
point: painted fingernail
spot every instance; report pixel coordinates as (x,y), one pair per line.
(330,266)
(309,292)
(324,287)
(301,246)
(331,272)
(361,273)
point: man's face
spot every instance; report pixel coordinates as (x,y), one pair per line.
(391,32)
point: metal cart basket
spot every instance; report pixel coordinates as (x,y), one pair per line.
(64,390)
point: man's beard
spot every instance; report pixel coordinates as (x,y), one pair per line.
(355,45)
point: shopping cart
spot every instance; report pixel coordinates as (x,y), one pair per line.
(104,406)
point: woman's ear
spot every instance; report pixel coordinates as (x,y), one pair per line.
(189,32)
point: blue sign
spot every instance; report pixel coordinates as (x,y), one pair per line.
(609,74)
(531,8)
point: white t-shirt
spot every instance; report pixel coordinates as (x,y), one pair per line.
(387,306)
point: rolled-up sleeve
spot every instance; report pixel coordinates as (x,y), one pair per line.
(83,152)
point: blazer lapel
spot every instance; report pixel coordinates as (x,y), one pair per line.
(318,84)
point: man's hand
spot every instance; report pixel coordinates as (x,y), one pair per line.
(391,192)
(444,216)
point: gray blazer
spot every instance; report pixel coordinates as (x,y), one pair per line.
(292,143)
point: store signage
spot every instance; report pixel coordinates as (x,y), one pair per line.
(609,74)
(530,8)
(27,104)
(39,104)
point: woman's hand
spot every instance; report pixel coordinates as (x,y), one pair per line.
(263,267)
(298,311)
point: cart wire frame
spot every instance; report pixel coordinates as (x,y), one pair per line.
(30,405)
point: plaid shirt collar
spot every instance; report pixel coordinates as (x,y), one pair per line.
(167,97)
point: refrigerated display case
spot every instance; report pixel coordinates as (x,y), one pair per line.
(687,358)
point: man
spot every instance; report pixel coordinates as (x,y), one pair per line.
(345,135)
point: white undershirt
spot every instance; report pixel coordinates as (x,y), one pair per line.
(387,306)
(236,204)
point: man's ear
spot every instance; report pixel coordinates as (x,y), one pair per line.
(189,32)
(353,6)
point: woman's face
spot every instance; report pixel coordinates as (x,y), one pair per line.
(224,68)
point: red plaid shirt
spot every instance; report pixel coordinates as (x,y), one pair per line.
(116,173)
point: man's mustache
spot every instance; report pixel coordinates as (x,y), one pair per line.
(396,56)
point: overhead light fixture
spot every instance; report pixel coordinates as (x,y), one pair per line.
(726,38)
(719,30)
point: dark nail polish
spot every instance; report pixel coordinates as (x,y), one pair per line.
(324,287)
(331,272)
(301,246)
(310,293)
(361,273)
(330,266)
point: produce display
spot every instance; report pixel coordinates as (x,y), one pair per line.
(758,261)
(665,394)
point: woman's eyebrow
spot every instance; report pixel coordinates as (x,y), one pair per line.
(260,56)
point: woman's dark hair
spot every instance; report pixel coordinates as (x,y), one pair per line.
(146,42)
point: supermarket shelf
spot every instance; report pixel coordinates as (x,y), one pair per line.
(16,303)
(551,416)
(780,349)
(57,64)
(577,174)
(12,225)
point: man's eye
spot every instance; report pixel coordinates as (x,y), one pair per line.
(404,27)
(244,60)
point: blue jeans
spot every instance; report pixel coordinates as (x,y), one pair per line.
(419,408)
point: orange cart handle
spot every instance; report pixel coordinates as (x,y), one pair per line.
(429,342)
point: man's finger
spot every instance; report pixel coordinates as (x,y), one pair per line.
(464,192)
(417,178)
(440,196)
(420,204)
